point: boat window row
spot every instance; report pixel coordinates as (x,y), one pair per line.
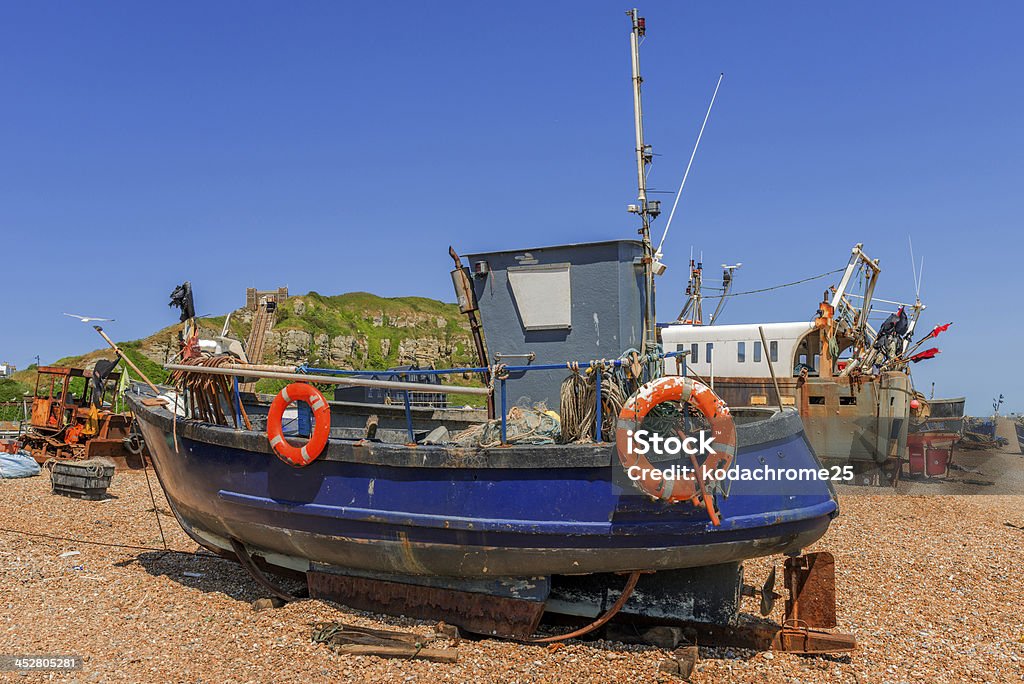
(741,351)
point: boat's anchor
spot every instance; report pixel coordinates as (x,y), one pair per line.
(250,566)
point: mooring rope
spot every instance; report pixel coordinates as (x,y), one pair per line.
(136,547)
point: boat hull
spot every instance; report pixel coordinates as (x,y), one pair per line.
(465,513)
(847,420)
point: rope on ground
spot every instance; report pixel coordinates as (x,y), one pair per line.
(136,547)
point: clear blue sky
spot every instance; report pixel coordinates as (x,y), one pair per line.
(339,146)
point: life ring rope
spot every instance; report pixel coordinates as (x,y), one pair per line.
(299,456)
(703,398)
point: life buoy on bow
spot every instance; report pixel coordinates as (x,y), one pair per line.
(307,453)
(704,399)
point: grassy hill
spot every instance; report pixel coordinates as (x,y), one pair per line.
(354,330)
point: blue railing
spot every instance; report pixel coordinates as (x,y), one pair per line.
(598,365)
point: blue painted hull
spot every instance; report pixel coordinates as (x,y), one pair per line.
(431,510)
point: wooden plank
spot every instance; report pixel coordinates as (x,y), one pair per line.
(436,655)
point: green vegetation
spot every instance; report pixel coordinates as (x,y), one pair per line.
(154,371)
(374,319)
(366,318)
(12,390)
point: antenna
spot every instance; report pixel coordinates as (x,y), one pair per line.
(920,277)
(647,209)
(918,272)
(913,265)
(689,164)
(727,278)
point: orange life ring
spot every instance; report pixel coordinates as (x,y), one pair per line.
(699,395)
(308,452)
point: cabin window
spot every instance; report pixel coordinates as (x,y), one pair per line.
(816,401)
(757,352)
(773,351)
(695,352)
(847,401)
(710,347)
(542,296)
(741,352)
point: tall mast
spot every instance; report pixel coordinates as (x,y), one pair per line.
(647,210)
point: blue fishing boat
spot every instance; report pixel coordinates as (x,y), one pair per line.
(395,494)
(945,416)
(453,512)
(490,520)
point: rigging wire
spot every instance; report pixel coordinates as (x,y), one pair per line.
(686,173)
(779,287)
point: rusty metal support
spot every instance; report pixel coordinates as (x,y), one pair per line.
(795,639)
(811,582)
(769,636)
(811,606)
(480,613)
(467,305)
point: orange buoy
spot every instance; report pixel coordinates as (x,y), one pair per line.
(308,452)
(704,399)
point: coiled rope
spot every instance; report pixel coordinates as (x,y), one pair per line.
(578,401)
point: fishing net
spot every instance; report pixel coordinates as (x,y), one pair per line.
(524,425)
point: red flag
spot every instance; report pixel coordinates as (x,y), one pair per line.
(939,329)
(926,354)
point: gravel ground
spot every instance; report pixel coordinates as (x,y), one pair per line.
(931,587)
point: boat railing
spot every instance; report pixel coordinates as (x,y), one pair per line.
(500,372)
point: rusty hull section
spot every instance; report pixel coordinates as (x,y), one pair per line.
(846,419)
